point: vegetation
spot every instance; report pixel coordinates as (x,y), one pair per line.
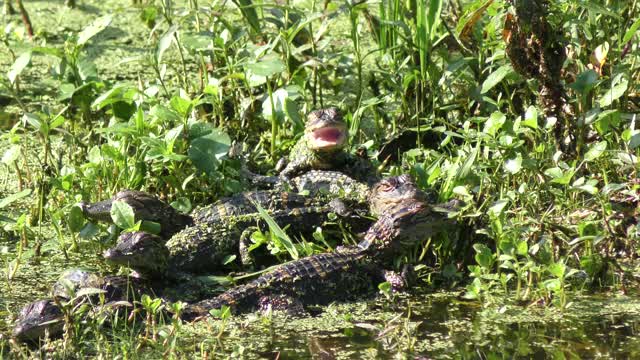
(525,110)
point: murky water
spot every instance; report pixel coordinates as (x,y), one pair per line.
(422,324)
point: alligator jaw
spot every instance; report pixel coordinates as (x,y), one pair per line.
(328,138)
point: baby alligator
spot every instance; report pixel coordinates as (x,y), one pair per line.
(347,273)
(314,188)
(322,147)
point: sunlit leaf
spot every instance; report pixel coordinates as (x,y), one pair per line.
(18,66)
(614,93)
(93,29)
(122,215)
(595,151)
(496,77)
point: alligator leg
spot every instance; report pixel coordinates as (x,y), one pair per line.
(401,281)
(245,246)
(286,303)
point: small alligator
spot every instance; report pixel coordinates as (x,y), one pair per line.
(204,247)
(315,188)
(347,273)
(44,317)
(322,147)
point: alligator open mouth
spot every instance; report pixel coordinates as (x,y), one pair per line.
(328,138)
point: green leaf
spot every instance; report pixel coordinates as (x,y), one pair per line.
(484,256)
(496,77)
(11,155)
(632,31)
(614,93)
(18,66)
(122,215)
(76,219)
(206,151)
(164,42)
(277,231)
(494,123)
(585,81)
(11,198)
(531,117)
(249,13)
(497,207)
(93,29)
(595,151)
(513,166)
(267,66)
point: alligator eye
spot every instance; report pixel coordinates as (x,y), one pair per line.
(404,178)
(388,185)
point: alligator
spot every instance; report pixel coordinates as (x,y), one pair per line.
(313,188)
(204,247)
(146,207)
(45,317)
(348,272)
(322,147)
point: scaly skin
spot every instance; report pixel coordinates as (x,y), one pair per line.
(319,187)
(43,317)
(203,247)
(349,272)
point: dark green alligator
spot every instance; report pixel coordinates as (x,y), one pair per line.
(314,188)
(203,247)
(348,273)
(322,147)
(44,317)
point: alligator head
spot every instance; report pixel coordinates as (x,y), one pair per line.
(140,251)
(145,207)
(325,130)
(37,320)
(404,215)
(388,193)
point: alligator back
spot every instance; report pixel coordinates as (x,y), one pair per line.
(317,279)
(245,203)
(203,247)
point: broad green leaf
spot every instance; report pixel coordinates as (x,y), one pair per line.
(494,123)
(613,93)
(249,13)
(268,66)
(18,66)
(514,165)
(11,155)
(598,9)
(585,81)
(206,151)
(531,117)
(595,151)
(76,219)
(497,207)
(496,77)
(93,29)
(557,270)
(484,256)
(122,215)
(11,198)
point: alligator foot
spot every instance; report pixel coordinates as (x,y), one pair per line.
(401,281)
(284,303)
